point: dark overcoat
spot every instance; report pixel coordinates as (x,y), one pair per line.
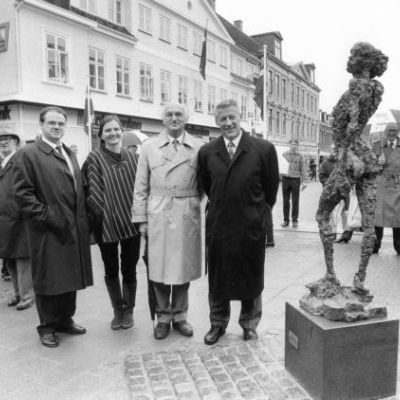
(53,201)
(238,193)
(388,188)
(13,233)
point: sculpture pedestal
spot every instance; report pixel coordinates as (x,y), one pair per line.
(341,361)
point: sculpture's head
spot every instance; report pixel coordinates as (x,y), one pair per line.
(391,131)
(366,61)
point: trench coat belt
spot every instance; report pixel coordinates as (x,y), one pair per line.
(175,192)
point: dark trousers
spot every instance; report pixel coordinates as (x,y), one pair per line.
(270,226)
(290,188)
(55,311)
(396,237)
(220,312)
(130,251)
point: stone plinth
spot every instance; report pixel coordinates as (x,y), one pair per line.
(339,360)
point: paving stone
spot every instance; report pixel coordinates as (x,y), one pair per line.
(296,393)
(278,395)
(224,377)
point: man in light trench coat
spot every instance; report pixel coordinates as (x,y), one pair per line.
(388,187)
(167,205)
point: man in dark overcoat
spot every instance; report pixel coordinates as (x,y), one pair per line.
(48,184)
(387,211)
(13,235)
(240,176)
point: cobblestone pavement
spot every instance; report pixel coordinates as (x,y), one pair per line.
(131,364)
(251,370)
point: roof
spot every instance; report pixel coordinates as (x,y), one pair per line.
(396,115)
(101,21)
(242,40)
(276,33)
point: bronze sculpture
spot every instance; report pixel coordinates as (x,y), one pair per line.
(357,165)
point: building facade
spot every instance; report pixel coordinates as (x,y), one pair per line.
(136,56)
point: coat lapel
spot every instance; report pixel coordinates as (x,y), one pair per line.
(222,152)
(243,147)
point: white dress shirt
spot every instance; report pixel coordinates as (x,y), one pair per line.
(235,142)
(6,159)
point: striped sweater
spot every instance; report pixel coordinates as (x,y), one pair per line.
(109,183)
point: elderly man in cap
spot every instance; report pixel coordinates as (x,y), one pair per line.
(48,184)
(167,205)
(387,211)
(13,235)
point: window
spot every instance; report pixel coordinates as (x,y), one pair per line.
(88,5)
(292,132)
(96,69)
(146,82)
(237,66)
(223,56)
(277,86)
(302,98)
(278,49)
(119,15)
(198,95)
(223,94)
(284,125)
(56,58)
(284,89)
(308,102)
(243,108)
(297,96)
(165,28)
(182,37)
(234,96)
(210,50)
(292,94)
(182,89)
(278,122)
(123,76)
(197,43)
(211,99)
(145,19)
(270,120)
(251,68)
(270,83)
(165,89)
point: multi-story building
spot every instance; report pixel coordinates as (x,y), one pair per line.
(325,135)
(137,55)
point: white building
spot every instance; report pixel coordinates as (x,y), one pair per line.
(137,56)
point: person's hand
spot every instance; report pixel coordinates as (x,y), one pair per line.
(143,229)
(303,186)
(381,159)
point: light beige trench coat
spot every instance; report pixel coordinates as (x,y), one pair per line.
(167,197)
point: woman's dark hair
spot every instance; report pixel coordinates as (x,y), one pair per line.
(105,120)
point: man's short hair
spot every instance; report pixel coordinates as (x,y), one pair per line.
(56,109)
(175,105)
(226,104)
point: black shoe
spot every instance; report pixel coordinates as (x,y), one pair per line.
(183,327)
(48,339)
(214,334)
(270,244)
(13,301)
(285,224)
(377,246)
(249,334)
(295,224)
(346,236)
(161,331)
(72,329)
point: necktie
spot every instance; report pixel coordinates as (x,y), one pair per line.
(175,144)
(231,149)
(58,149)
(391,146)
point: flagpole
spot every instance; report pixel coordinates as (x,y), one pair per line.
(89,115)
(265,94)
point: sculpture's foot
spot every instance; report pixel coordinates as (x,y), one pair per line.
(358,284)
(328,286)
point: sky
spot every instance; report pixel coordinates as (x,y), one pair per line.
(323,32)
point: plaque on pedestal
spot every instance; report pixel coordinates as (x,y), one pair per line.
(339,360)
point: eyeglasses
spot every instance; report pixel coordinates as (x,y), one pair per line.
(5,139)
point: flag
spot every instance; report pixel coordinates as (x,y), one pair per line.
(203,58)
(88,113)
(259,94)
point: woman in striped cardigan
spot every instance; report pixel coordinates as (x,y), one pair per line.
(109,174)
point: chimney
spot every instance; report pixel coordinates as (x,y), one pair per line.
(238,24)
(212,4)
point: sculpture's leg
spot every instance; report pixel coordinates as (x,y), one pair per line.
(327,202)
(366,194)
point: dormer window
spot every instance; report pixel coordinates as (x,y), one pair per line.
(278,49)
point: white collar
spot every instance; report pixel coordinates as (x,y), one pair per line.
(53,145)
(394,142)
(234,141)
(179,138)
(7,159)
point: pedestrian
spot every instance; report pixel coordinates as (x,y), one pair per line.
(292,180)
(13,234)
(325,171)
(109,174)
(48,184)
(313,170)
(387,212)
(240,176)
(167,206)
